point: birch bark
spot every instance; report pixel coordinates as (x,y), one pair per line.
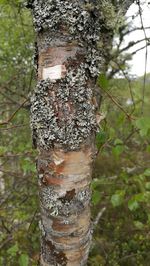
(64,121)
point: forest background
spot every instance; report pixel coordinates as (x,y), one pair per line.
(121,176)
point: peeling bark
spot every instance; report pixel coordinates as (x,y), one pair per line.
(64,121)
(65,206)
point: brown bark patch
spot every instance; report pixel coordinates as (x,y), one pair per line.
(48,180)
(60,257)
(60,226)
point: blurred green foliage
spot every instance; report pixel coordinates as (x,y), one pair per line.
(19,214)
(121,177)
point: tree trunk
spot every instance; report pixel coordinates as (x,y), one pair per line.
(64,120)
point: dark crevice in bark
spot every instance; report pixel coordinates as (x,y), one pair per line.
(69,196)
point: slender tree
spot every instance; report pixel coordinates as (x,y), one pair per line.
(74,39)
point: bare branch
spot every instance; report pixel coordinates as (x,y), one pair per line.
(99,215)
(133,43)
(118,105)
(146,56)
(13,115)
(124,5)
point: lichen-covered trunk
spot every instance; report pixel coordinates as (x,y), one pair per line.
(64,120)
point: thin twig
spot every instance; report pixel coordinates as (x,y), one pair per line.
(13,115)
(13,127)
(146,56)
(32,220)
(118,105)
(133,43)
(99,215)
(134,29)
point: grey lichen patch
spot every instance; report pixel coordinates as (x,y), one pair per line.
(49,200)
(69,21)
(65,205)
(52,14)
(84,195)
(62,113)
(42,228)
(94,61)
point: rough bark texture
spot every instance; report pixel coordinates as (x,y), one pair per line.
(64,120)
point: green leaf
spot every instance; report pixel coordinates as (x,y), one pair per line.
(147,185)
(112,133)
(147,172)
(96,197)
(28,165)
(24,260)
(148,148)
(144,125)
(133,205)
(140,197)
(120,119)
(95,183)
(101,138)
(118,150)
(118,198)
(13,250)
(138,225)
(3,150)
(118,141)
(103,81)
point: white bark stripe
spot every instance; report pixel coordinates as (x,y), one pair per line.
(53,73)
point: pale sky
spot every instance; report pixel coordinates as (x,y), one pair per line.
(138,62)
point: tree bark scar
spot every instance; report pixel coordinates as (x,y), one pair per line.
(69,196)
(52,62)
(49,180)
